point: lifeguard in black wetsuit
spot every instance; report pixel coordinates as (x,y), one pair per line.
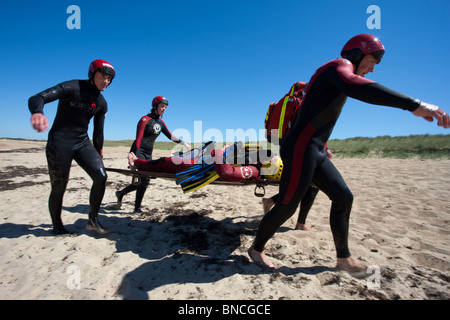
(148,130)
(303,152)
(79,101)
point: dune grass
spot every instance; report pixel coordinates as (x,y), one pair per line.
(414,146)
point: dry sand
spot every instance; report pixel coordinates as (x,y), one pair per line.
(193,246)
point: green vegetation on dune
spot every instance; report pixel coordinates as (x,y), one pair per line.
(419,146)
(414,146)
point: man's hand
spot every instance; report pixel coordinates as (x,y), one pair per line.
(39,122)
(330,154)
(131,158)
(429,112)
(187,146)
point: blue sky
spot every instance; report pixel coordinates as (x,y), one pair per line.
(219,62)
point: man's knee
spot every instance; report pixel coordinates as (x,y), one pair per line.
(343,198)
(100,177)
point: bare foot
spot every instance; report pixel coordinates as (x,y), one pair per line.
(268,203)
(260,259)
(351,265)
(305,227)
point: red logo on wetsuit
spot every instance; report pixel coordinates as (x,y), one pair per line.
(93,105)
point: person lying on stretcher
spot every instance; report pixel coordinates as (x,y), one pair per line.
(200,166)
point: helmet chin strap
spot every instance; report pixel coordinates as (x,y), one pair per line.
(356,67)
(355,56)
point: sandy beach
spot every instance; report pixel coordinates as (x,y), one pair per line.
(194,246)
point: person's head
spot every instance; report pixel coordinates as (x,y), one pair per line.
(363,51)
(101,73)
(159,105)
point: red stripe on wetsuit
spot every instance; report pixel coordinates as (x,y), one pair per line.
(140,130)
(299,153)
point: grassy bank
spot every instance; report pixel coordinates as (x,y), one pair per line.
(423,147)
(418,146)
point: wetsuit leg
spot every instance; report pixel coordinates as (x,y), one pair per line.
(59,159)
(328,179)
(286,205)
(144,162)
(90,160)
(317,168)
(306,204)
(144,182)
(120,194)
(140,192)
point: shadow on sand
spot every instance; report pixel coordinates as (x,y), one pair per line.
(181,246)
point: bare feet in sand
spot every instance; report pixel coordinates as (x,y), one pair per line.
(260,259)
(305,227)
(351,265)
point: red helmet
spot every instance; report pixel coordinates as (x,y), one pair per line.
(103,66)
(157,100)
(360,45)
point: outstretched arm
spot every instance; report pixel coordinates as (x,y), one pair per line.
(372,92)
(170,136)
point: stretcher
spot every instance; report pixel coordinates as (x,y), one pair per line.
(205,165)
(260,184)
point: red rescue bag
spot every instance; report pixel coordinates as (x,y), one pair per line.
(281,115)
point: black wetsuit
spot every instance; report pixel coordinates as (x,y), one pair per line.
(79,101)
(148,130)
(303,149)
